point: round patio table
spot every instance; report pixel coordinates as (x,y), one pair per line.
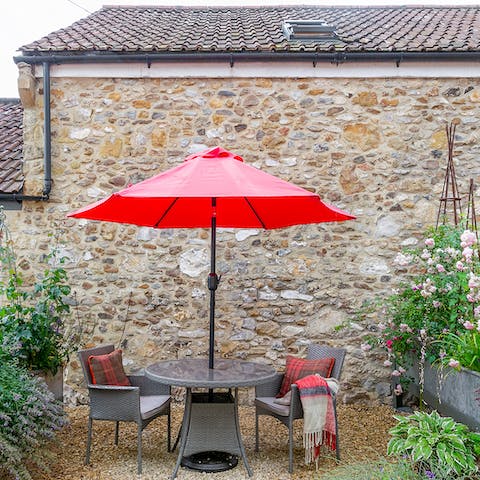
(210,420)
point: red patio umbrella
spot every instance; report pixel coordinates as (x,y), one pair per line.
(213,188)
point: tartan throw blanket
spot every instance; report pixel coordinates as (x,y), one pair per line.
(318,414)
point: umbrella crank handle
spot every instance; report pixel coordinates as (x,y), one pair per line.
(213,281)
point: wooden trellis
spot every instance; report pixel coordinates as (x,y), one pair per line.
(471,214)
(450,193)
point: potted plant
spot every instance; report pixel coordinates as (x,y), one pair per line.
(36,327)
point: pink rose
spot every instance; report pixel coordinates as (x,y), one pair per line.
(389,344)
(468,238)
(468,325)
(454,363)
(365,347)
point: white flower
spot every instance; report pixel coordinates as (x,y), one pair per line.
(402,259)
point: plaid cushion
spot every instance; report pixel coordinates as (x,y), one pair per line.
(108,369)
(297,368)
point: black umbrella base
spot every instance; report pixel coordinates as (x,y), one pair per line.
(210,461)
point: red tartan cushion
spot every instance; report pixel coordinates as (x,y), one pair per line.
(299,367)
(108,369)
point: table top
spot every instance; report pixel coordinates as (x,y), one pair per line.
(194,372)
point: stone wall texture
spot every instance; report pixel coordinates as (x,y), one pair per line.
(374,147)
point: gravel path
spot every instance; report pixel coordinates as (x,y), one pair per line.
(363,434)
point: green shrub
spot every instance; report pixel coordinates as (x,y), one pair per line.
(33,325)
(435,444)
(29,417)
(35,322)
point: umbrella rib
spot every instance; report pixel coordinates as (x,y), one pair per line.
(255,212)
(165,213)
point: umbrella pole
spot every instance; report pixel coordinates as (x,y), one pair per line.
(212,283)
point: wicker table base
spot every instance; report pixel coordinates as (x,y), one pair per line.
(210,424)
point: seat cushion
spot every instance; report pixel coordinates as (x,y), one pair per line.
(297,368)
(268,403)
(152,405)
(108,369)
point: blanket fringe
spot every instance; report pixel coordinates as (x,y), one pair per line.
(313,441)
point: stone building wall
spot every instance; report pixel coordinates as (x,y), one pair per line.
(374,147)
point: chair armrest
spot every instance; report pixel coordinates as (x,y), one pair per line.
(111,388)
(296,409)
(112,402)
(271,388)
(148,386)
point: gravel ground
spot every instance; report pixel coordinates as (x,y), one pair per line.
(363,435)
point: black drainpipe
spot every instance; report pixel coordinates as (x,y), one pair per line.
(47,147)
(47,140)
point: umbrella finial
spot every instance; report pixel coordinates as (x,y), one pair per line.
(214,152)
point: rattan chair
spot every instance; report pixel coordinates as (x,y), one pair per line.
(265,395)
(141,402)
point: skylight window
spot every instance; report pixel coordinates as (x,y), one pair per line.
(308,30)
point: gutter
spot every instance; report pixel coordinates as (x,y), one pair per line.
(232,57)
(47,147)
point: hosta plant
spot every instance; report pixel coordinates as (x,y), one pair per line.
(435,444)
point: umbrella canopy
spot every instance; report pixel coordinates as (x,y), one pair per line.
(213,188)
(181,198)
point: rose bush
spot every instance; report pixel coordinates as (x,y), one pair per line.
(434,313)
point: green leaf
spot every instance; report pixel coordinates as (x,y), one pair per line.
(424,450)
(395,446)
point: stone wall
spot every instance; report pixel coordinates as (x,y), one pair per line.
(376,148)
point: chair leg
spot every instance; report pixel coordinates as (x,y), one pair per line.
(290,447)
(337,442)
(169,432)
(89,440)
(179,434)
(139,448)
(257,439)
(116,432)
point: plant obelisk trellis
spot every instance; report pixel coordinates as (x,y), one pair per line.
(450,189)
(471,214)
